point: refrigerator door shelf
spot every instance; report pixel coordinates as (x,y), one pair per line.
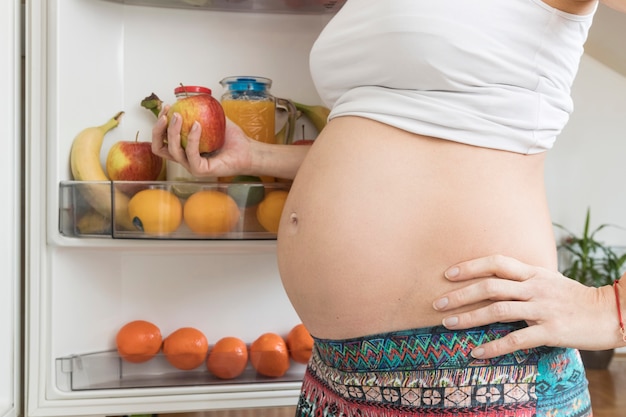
(218,211)
(106,370)
(271,6)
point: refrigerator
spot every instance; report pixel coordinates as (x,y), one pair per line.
(85,61)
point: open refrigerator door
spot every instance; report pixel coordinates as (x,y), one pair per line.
(88,60)
(10,238)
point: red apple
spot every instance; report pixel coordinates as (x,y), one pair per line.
(303,142)
(207,111)
(133,161)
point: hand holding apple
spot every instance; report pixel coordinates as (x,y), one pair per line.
(207,111)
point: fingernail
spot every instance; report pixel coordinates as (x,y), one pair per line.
(478,353)
(175,117)
(452,272)
(450,321)
(195,126)
(441,303)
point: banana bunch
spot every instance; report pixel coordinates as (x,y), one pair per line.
(93,222)
(317,114)
(85,166)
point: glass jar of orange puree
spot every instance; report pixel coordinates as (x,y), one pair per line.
(247,101)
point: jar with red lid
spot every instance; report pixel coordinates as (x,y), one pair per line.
(190,90)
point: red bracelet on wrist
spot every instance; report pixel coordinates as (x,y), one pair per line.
(619,311)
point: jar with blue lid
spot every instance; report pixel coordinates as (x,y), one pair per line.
(248,102)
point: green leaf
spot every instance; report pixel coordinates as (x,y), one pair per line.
(591,262)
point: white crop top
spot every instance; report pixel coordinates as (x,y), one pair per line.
(489,73)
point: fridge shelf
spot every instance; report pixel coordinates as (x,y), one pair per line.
(107,370)
(170,210)
(269,6)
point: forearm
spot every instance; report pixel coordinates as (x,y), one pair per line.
(280,161)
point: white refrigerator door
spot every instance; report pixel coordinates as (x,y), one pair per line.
(10,209)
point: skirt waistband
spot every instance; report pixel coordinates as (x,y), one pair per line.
(423,348)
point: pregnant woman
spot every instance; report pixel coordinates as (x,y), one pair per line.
(442,112)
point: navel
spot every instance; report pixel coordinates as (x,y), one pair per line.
(293,219)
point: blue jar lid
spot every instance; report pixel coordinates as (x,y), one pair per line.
(244,83)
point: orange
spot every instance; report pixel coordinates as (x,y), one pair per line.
(186,348)
(269,355)
(155,212)
(211,213)
(138,341)
(228,358)
(300,344)
(270,209)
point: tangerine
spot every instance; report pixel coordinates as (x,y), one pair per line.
(300,344)
(186,348)
(269,355)
(138,341)
(228,358)
(211,212)
(155,211)
(269,211)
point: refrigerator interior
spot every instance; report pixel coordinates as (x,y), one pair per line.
(10,157)
(88,60)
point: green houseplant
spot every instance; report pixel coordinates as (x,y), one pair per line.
(592,263)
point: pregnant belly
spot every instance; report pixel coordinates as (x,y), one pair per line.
(375,216)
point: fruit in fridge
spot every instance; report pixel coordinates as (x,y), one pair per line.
(317,114)
(133,161)
(211,212)
(300,344)
(186,348)
(94,223)
(269,211)
(269,355)
(228,358)
(138,341)
(85,166)
(155,211)
(208,112)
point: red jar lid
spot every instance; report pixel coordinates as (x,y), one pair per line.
(192,89)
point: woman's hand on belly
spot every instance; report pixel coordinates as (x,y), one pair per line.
(560,311)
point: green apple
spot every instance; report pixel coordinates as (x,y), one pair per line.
(207,111)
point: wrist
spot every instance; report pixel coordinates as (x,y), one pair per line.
(604,317)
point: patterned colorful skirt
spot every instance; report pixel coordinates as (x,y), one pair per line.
(429,372)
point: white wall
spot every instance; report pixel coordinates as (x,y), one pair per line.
(587,165)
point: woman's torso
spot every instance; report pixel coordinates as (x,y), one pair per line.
(376,214)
